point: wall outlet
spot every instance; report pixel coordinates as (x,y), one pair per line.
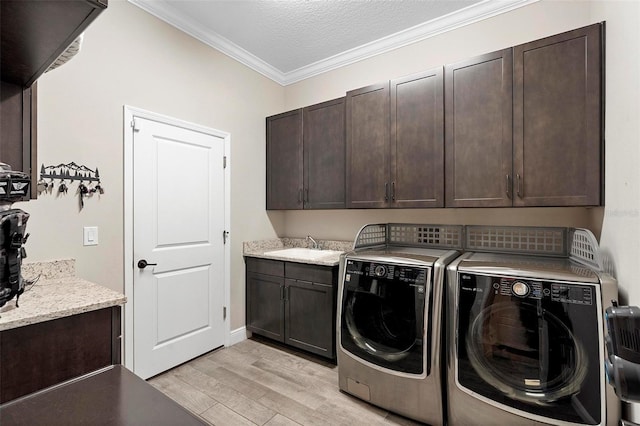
(90,235)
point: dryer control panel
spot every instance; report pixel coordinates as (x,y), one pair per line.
(389,271)
(533,289)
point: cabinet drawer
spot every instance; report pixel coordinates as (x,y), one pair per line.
(314,273)
(265,266)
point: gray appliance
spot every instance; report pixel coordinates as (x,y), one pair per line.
(527,336)
(389,339)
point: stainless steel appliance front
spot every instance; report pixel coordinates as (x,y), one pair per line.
(527,342)
(389,329)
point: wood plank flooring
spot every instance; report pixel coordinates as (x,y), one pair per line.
(257,382)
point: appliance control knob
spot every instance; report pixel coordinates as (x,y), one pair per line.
(520,289)
(380,271)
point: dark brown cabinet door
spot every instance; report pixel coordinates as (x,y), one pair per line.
(324,155)
(557,119)
(310,318)
(284,161)
(417,140)
(18,135)
(44,354)
(368,183)
(265,305)
(478,129)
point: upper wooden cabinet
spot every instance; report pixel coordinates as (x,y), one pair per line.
(548,153)
(417,140)
(35,33)
(395,146)
(18,130)
(517,127)
(324,155)
(478,131)
(368,164)
(284,161)
(557,108)
(306,158)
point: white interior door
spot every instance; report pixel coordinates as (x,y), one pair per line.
(178,225)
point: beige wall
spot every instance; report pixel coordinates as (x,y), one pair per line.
(130,57)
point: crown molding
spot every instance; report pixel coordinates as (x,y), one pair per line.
(167,13)
(469,15)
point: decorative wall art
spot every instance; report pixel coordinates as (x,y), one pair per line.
(67,174)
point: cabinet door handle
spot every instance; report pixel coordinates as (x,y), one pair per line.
(518,186)
(299,195)
(281,292)
(393,191)
(386,191)
(508,186)
(306,195)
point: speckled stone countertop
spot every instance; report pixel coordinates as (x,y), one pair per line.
(57,293)
(262,248)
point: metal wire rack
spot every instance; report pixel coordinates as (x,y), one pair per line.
(517,239)
(577,244)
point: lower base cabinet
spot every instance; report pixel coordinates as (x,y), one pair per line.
(293,303)
(36,356)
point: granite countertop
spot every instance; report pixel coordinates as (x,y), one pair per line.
(57,293)
(262,248)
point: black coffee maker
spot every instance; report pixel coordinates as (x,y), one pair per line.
(623,345)
(14,186)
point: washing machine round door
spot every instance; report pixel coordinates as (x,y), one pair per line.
(512,346)
(382,316)
(533,346)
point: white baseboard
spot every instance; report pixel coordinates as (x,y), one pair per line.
(237,335)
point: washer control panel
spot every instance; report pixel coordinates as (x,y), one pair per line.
(389,271)
(580,294)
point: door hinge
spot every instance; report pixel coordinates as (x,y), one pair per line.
(224,312)
(225,235)
(133,125)
(224,162)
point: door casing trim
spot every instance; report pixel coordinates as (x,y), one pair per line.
(129,113)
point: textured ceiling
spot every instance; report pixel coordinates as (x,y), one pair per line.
(294,33)
(289,40)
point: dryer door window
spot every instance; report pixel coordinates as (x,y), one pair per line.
(382,315)
(531,345)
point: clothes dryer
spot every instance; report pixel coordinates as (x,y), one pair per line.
(527,341)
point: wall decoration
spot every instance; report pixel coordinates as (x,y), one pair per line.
(69,173)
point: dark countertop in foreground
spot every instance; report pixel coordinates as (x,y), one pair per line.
(114,396)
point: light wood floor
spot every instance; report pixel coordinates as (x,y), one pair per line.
(256,382)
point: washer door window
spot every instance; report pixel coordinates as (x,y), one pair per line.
(383,311)
(531,345)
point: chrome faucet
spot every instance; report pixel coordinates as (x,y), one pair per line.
(315,243)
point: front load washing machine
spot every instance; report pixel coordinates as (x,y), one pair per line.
(526,342)
(389,320)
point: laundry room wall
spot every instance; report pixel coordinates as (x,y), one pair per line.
(131,58)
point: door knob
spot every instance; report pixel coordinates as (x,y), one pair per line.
(143,264)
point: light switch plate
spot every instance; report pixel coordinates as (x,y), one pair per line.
(90,236)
